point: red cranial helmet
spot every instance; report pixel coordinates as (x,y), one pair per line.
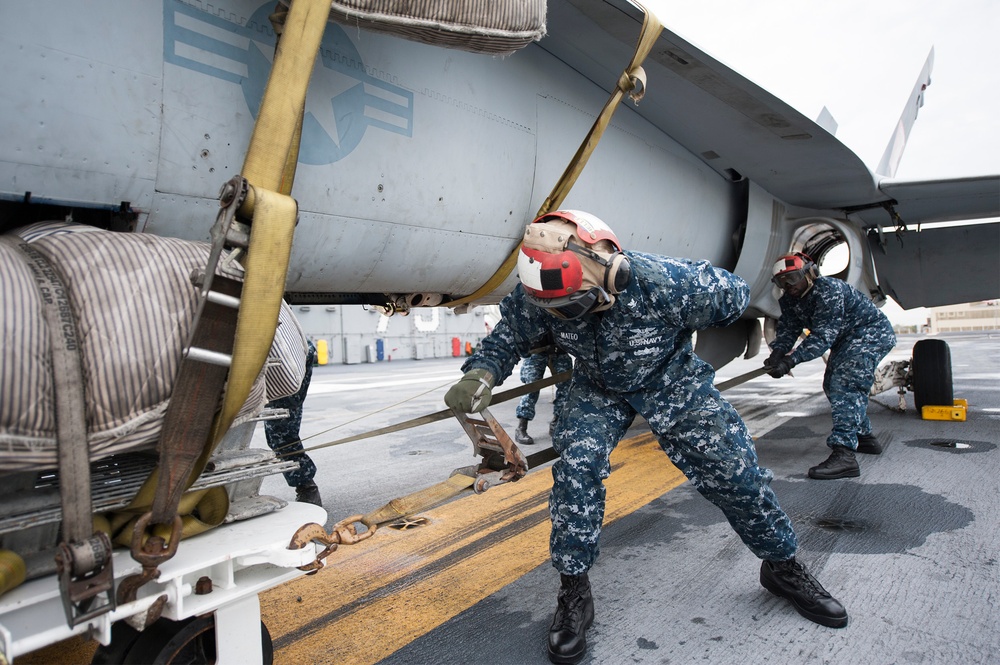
(794,272)
(571,264)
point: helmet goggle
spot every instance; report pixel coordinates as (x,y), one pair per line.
(793,270)
(573,306)
(788,279)
(555,281)
(562,272)
(589,229)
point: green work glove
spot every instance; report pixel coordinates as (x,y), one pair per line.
(472,394)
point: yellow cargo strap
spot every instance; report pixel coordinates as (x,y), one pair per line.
(418,501)
(12,570)
(269,168)
(631,82)
(199,511)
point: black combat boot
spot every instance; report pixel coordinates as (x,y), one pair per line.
(308,492)
(574,615)
(840,464)
(790,580)
(869,445)
(521,433)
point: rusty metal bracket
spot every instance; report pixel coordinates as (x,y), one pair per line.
(150,554)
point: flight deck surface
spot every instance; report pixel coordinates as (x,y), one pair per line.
(909,547)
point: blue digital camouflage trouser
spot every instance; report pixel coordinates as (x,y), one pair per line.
(850,372)
(704,437)
(533,369)
(283,435)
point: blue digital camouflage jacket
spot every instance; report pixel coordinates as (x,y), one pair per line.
(834,312)
(641,342)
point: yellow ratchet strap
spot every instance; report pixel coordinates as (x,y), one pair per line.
(269,168)
(631,82)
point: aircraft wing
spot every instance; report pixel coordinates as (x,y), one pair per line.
(741,130)
(733,125)
(923,201)
(938,266)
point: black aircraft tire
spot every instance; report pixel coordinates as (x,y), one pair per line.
(932,381)
(187,642)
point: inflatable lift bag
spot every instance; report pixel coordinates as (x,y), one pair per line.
(497,27)
(134,304)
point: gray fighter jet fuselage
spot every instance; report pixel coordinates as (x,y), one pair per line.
(419,165)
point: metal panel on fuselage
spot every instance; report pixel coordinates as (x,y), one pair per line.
(414,159)
(419,165)
(80,110)
(651,191)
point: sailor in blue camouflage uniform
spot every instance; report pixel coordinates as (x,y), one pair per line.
(858,335)
(627,318)
(283,437)
(533,369)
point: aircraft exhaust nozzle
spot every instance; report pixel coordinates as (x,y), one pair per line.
(423,299)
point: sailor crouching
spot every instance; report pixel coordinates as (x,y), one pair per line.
(627,319)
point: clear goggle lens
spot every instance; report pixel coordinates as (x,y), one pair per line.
(787,279)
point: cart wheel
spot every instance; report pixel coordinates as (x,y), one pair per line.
(932,382)
(187,642)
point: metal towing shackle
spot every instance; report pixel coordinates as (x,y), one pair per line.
(343,532)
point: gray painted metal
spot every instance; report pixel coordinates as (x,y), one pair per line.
(420,165)
(711,110)
(928,268)
(938,201)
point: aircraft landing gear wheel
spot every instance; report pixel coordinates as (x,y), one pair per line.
(931,368)
(187,642)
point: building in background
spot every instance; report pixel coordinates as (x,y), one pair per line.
(967,317)
(359,334)
(970,317)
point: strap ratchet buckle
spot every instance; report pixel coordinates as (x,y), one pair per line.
(85,574)
(502,461)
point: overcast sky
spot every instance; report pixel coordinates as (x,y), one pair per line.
(861,59)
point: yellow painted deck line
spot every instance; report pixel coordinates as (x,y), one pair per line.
(375,597)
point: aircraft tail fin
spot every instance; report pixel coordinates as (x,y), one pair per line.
(827,121)
(894,151)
